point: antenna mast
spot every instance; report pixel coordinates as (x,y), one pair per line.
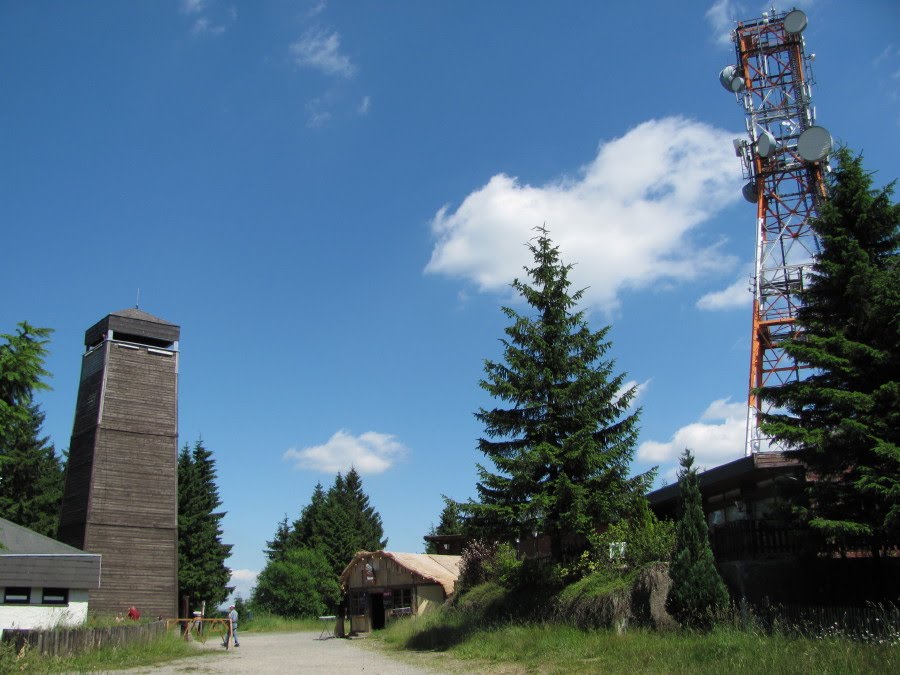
(784,159)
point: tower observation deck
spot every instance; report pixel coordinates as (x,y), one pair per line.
(784,157)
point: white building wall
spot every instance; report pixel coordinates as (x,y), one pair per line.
(36,615)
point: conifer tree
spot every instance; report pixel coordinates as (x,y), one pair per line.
(844,417)
(563,445)
(202,573)
(450,522)
(350,524)
(309,527)
(697,590)
(281,542)
(31,473)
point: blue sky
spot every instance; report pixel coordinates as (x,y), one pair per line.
(331,199)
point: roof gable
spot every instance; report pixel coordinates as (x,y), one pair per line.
(437,569)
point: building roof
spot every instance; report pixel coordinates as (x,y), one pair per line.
(730,476)
(135,313)
(438,569)
(18,540)
(30,559)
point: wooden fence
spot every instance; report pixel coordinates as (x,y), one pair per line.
(68,641)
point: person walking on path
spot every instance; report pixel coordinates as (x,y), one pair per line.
(232,627)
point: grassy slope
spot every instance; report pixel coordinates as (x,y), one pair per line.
(478,634)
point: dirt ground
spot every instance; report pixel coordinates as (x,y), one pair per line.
(286,653)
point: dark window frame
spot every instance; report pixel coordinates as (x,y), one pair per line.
(12,595)
(57,596)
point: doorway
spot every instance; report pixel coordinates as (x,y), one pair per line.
(376,607)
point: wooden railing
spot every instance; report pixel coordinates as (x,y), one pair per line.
(67,641)
(750,539)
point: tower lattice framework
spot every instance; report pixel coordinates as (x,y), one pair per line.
(784,162)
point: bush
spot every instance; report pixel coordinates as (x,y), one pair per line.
(475,563)
(300,585)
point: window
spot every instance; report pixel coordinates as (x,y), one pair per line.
(17,596)
(357,604)
(56,596)
(402,597)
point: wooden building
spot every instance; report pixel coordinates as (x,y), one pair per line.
(43,583)
(382,585)
(121,493)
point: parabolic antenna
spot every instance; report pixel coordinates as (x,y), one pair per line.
(814,144)
(766,144)
(795,22)
(750,193)
(730,79)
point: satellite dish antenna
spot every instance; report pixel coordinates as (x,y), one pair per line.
(814,144)
(750,192)
(730,79)
(766,144)
(795,22)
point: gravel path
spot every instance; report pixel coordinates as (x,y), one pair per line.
(285,653)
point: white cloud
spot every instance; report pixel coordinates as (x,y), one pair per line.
(316,9)
(369,453)
(625,220)
(365,105)
(243,582)
(192,6)
(736,296)
(721,17)
(716,439)
(322,51)
(202,25)
(639,387)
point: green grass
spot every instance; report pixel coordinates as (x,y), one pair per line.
(270,623)
(167,647)
(549,648)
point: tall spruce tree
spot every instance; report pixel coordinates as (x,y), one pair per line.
(31,473)
(697,590)
(349,523)
(844,418)
(564,444)
(202,573)
(308,529)
(281,542)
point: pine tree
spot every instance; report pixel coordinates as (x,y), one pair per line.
(563,447)
(31,477)
(31,473)
(281,542)
(202,573)
(308,529)
(697,590)
(450,522)
(350,524)
(364,517)
(844,418)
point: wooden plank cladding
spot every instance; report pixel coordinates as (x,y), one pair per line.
(141,327)
(121,495)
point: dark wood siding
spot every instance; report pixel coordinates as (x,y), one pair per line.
(50,571)
(121,483)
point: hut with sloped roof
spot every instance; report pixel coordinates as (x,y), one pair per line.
(383,585)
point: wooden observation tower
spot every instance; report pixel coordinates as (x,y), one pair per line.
(121,493)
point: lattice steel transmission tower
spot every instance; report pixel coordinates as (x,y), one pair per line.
(784,160)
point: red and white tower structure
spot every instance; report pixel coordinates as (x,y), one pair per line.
(784,158)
